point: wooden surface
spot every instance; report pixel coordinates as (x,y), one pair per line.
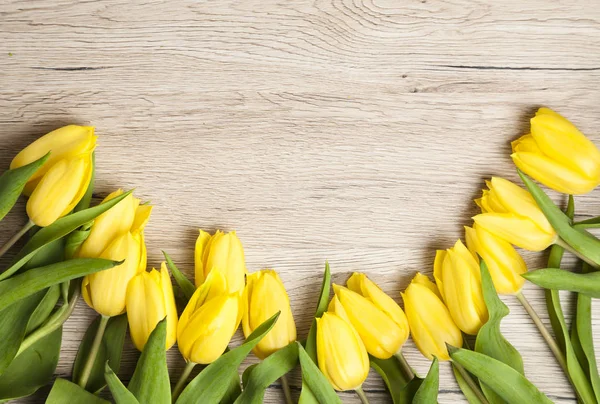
(357,131)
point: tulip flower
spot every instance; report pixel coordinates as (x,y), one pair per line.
(223,251)
(504,263)
(264,296)
(383,328)
(458,278)
(430,322)
(150,299)
(60,183)
(341,354)
(557,154)
(117,234)
(509,212)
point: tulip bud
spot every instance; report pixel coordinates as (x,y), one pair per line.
(557,154)
(458,278)
(264,296)
(60,183)
(383,334)
(208,321)
(225,252)
(150,299)
(341,354)
(431,325)
(118,235)
(509,212)
(504,263)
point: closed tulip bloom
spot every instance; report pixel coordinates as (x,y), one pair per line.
(557,154)
(150,299)
(381,334)
(341,354)
(264,296)
(510,212)
(458,278)
(431,325)
(504,263)
(208,321)
(223,251)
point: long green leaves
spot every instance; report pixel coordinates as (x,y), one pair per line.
(314,381)
(554,278)
(118,389)
(13,181)
(393,377)
(186,286)
(63,391)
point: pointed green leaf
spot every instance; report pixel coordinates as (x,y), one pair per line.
(211,384)
(51,253)
(44,308)
(13,181)
(394,378)
(267,372)
(466,389)
(186,286)
(509,384)
(117,389)
(554,278)
(63,391)
(315,381)
(150,382)
(74,240)
(553,304)
(110,351)
(56,230)
(428,391)
(234,389)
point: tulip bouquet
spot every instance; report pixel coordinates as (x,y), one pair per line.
(99,252)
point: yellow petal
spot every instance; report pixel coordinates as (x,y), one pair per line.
(142,215)
(516,230)
(425,281)
(526,144)
(202,243)
(227,254)
(145,306)
(438,269)
(170,306)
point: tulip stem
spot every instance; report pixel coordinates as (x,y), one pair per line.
(89,364)
(569,248)
(182,379)
(406,369)
(361,394)
(469,380)
(560,358)
(285,386)
(16,237)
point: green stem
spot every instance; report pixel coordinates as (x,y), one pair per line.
(406,369)
(361,394)
(287,393)
(567,246)
(560,358)
(89,364)
(182,379)
(16,237)
(469,380)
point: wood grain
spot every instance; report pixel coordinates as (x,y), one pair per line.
(357,131)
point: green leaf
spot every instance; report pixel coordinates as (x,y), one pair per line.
(34,280)
(315,381)
(84,203)
(553,304)
(466,389)
(13,181)
(428,391)
(13,326)
(509,384)
(56,230)
(581,241)
(110,351)
(117,389)
(44,308)
(306,396)
(393,377)
(559,279)
(184,283)
(63,391)
(32,369)
(211,384)
(267,372)
(74,240)
(51,253)
(150,382)
(233,389)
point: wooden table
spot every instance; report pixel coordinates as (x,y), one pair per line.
(356,131)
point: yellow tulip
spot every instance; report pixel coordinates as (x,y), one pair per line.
(510,212)
(458,278)
(341,354)
(504,263)
(264,296)
(223,251)
(382,333)
(557,154)
(118,235)
(150,299)
(208,321)
(431,325)
(60,183)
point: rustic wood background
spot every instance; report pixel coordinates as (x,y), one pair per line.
(356,131)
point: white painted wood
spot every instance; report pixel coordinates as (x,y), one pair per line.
(357,131)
